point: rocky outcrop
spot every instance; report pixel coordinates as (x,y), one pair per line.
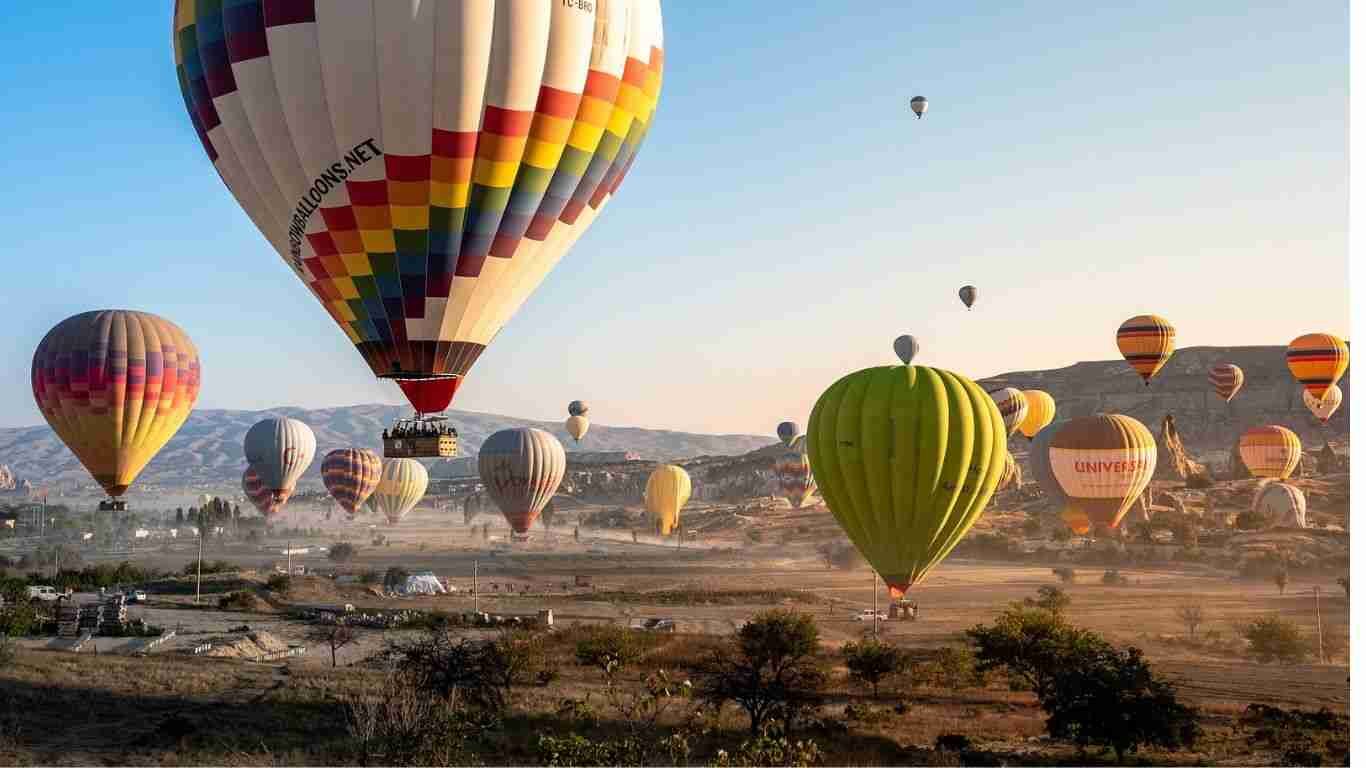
(7,480)
(1327,462)
(1237,470)
(1173,463)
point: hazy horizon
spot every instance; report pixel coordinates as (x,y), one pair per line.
(787,216)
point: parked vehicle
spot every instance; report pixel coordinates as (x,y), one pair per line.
(44,594)
(868,614)
(136,596)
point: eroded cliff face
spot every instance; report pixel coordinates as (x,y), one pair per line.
(728,479)
(1208,425)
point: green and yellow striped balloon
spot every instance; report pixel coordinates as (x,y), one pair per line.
(906,457)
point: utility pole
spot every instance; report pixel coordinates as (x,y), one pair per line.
(199,564)
(875,616)
(1318,619)
(289,557)
(476,586)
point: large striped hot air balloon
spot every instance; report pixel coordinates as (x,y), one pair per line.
(666,491)
(280,449)
(1317,361)
(521,470)
(351,475)
(1103,463)
(1014,408)
(115,385)
(906,457)
(402,484)
(796,482)
(1040,413)
(1227,379)
(420,166)
(258,494)
(1147,342)
(1270,451)
(1324,407)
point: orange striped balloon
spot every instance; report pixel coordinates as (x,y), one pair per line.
(1270,451)
(1147,342)
(1227,379)
(1317,360)
(1103,463)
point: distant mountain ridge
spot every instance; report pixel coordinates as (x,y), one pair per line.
(207,451)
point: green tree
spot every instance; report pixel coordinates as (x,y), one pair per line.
(1051,599)
(1032,644)
(609,648)
(1114,699)
(1272,638)
(869,661)
(1065,575)
(768,669)
(341,552)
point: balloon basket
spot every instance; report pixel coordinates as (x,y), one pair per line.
(421,437)
(114,505)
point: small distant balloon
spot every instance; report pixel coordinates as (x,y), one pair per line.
(906,348)
(787,432)
(968,295)
(1324,407)
(1227,379)
(1014,407)
(578,408)
(1147,342)
(918,105)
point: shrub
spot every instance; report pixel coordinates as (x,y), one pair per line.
(18,619)
(609,648)
(769,669)
(870,661)
(1114,578)
(770,748)
(278,582)
(1252,520)
(395,577)
(1272,638)
(1051,599)
(952,669)
(341,552)
(1065,575)
(953,742)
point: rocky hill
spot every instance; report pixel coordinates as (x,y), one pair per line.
(1208,425)
(207,452)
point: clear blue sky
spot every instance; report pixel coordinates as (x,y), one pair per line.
(1080,163)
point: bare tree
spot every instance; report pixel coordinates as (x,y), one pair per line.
(1192,615)
(335,636)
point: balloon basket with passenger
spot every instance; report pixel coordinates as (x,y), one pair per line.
(113,505)
(421,437)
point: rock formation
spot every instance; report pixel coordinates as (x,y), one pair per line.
(7,480)
(1173,463)
(1327,461)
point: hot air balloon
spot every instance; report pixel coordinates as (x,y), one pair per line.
(1147,342)
(351,475)
(906,348)
(577,427)
(1324,407)
(1317,361)
(1040,412)
(666,492)
(402,483)
(258,494)
(420,167)
(1227,379)
(521,470)
(1281,504)
(1007,473)
(1042,468)
(968,295)
(115,385)
(1103,463)
(787,432)
(578,408)
(907,457)
(918,105)
(1013,406)
(1270,451)
(280,449)
(796,482)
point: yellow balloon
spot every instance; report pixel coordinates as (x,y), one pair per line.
(1040,413)
(667,490)
(1270,451)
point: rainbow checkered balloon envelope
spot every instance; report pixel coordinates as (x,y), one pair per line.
(421,166)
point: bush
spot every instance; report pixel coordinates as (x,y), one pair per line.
(1114,578)
(1272,638)
(609,648)
(342,552)
(18,619)
(870,661)
(1252,520)
(770,748)
(952,669)
(395,577)
(1051,599)
(278,582)
(769,669)
(953,742)
(1033,646)
(574,749)
(1065,575)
